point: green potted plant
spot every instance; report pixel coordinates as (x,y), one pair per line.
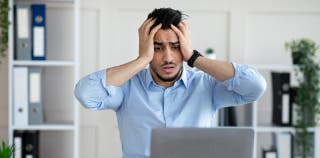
(210,53)
(308,93)
(4,27)
(6,151)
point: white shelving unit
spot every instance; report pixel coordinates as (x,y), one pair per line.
(59,134)
(268,129)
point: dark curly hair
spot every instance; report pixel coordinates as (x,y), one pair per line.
(166,16)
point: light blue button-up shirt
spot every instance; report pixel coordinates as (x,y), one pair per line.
(141,104)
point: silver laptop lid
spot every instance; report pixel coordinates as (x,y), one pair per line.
(202,143)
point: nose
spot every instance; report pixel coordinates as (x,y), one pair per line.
(168,54)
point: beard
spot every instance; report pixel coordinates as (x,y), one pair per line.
(167,79)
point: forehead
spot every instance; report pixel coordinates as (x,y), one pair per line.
(167,35)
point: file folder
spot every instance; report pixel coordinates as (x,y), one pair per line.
(38,31)
(269,153)
(18,143)
(282,107)
(284,145)
(35,97)
(31,144)
(272,151)
(22,20)
(20,96)
(227,116)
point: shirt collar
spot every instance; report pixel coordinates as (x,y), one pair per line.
(182,79)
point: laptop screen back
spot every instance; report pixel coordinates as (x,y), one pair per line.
(202,143)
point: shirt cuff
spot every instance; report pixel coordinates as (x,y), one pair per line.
(111,90)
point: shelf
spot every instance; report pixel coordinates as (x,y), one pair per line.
(46,1)
(279,129)
(60,71)
(46,127)
(235,127)
(244,127)
(275,67)
(43,63)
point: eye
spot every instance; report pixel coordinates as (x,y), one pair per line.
(176,47)
(156,49)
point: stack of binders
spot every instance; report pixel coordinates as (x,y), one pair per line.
(26,144)
(282,101)
(30,31)
(27,97)
(30,44)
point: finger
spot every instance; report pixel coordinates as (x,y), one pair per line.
(177,31)
(154,30)
(184,22)
(144,30)
(148,26)
(144,23)
(183,27)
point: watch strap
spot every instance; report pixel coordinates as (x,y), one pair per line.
(193,58)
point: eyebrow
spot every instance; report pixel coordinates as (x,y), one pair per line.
(174,43)
(161,43)
(157,43)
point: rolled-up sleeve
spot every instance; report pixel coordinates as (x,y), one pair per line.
(93,93)
(246,86)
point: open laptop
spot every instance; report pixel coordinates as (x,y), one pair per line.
(202,143)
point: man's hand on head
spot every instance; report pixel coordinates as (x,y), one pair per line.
(184,39)
(146,47)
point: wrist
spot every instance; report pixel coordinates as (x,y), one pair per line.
(144,60)
(188,56)
(193,58)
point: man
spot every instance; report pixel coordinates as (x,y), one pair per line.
(166,94)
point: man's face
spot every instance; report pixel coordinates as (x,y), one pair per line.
(166,65)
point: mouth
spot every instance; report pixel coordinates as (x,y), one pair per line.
(168,68)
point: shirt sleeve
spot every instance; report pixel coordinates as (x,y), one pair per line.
(246,86)
(93,93)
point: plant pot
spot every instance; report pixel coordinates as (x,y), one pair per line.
(211,56)
(297,58)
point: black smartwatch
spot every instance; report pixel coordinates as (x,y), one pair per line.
(193,58)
